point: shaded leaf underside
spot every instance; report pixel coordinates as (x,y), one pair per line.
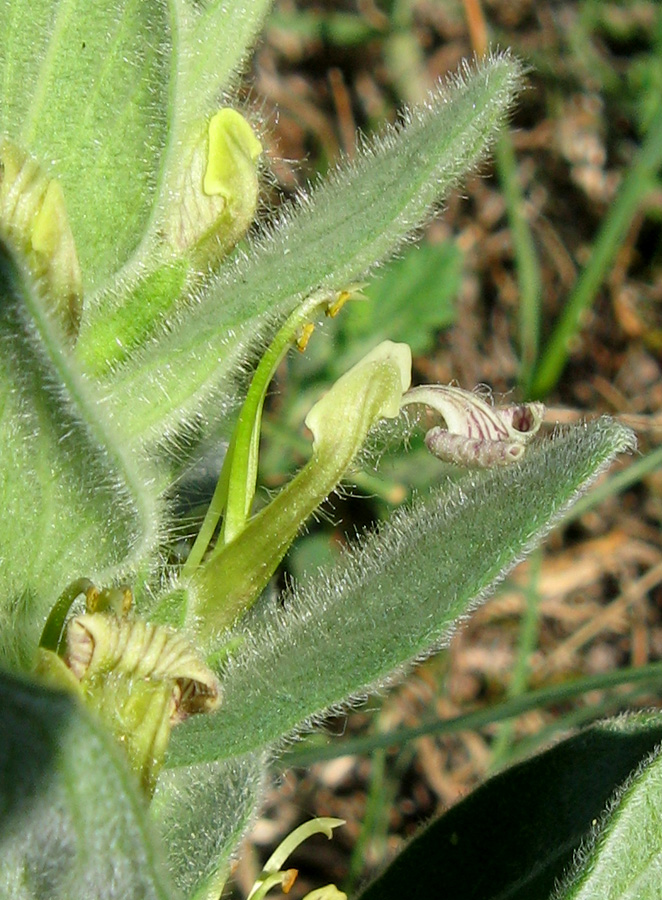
(74,824)
(515,837)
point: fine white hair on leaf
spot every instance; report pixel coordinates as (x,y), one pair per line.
(335,233)
(398,594)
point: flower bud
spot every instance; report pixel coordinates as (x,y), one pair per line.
(217,196)
(141,679)
(328,892)
(34,225)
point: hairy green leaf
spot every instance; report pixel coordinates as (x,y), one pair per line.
(74,502)
(202,812)
(84,87)
(344,227)
(214,40)
(516,835)
(622,859)
(74,824)
(395,597)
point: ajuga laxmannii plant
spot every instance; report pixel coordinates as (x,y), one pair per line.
(143,313)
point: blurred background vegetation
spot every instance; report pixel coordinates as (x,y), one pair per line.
(542,277)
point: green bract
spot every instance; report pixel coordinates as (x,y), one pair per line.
(129,319)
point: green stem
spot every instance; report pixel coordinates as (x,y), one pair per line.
(526,259)
(634,188)
(210,521)
(572,720)
(528,638)
(235,490)
(51,636)
(246,439)
(374,821)
(508,709)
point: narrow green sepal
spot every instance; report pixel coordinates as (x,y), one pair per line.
(235,490)
(52,671)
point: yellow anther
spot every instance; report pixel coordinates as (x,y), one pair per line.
(92,595)
(304,337)
(351,292)
(334,308)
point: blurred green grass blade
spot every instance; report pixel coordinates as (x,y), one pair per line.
(529,630)
(394,598)
(649,677)
(84,87)
(74,824)
(488,847)
(635,186)
(375,820)
(614,484)
(347,224)
(529,280)
(579,716)
(343,29)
